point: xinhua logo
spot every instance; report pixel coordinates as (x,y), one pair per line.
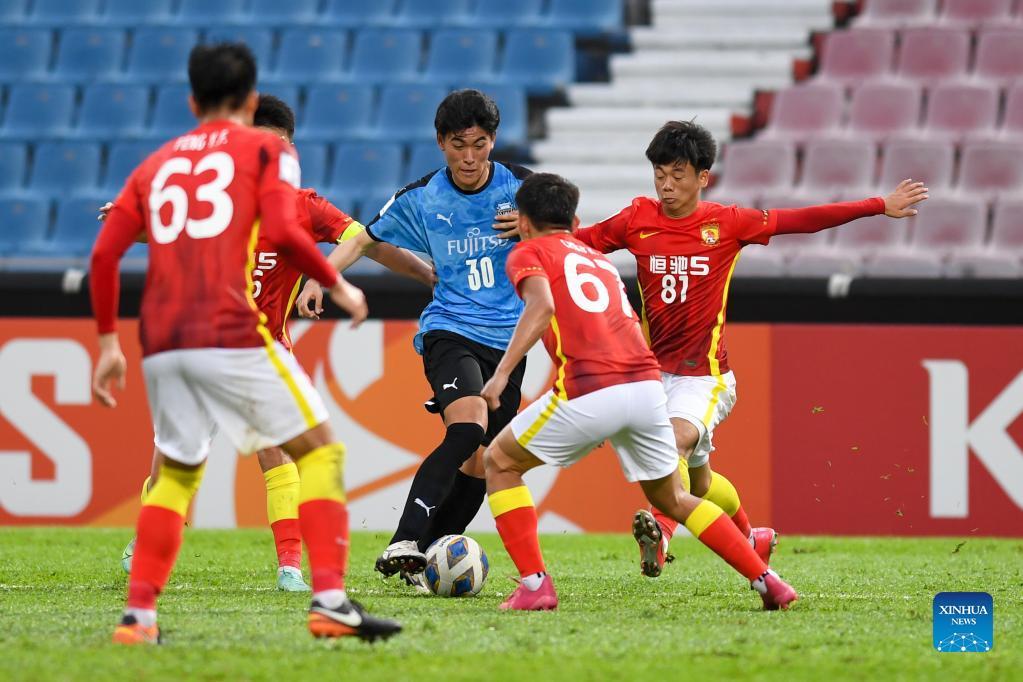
(964,622)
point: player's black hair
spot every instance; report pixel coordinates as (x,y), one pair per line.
(683,142)
(464,109)
(548,200)
(222,74)
(273,112)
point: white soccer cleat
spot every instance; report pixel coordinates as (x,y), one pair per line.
(403,555)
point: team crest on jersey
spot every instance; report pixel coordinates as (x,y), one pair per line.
(504,207)
(710,234)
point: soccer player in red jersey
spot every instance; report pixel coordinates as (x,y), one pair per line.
(607,387)
(686,250)
(210,363)
(276,284)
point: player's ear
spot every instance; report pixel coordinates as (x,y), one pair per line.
(704,177)
(250,106)
(440,141)
(193,106)
(575,223)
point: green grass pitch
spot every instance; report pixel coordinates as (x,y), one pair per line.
(864,613)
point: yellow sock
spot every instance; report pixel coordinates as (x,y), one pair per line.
(321,474)
(175,488)
(282,490)
(145,489)
(722,493)
(683,472)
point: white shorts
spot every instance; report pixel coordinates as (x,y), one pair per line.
(632,416)
(704,402)
(260,397)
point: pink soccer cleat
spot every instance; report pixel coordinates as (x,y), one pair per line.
(764,540)
(525,599)
(653,543)
(776,593)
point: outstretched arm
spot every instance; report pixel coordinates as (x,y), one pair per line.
(898,204)
(402,262)
(310,301)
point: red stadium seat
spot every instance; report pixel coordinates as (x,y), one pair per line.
(931,161)
(897,13)
(899,264)
(807,110)
(831,166)
(991,168)
(760,261)
(796,243)
(986,263)
(928,55)
(946,224)
(1012,126)
(955,110)
(973,13)
(874,234)
(884,109)
(757,165)
(1002,257)
(1000,55)
(850,57)
(1007,229)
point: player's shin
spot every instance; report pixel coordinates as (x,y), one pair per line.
(323,517)
(457,510)
(669,525)
(282,493)
(711,526)
(515,516)
(722,493)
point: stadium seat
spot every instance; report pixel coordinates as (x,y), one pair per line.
(424,158)
(370,204)
(289,93)
(133,13)
(13,162)
(990,168)
(830,166)
(259,40)
(930,55)
(541,61)
(426,14)
(171,115)
(947,224)
(35,110)
(337,112)
(26,221)
(203,13)
(930,161)
(76,227)
(851,57)
(24,53)
(1012,124)
(385,55)
(64,12)
(955,110)
(124,157)
(586,17)
(290,13)
(514,107)
(756,166)
(160,55)
(872,234)
(350,14)
(366,167)
(971,14)
(897,13)
(507,13)
(899,264)
(13,11)
(884,109)
(407,112)
(1000,55)
(86,54)
(61,169)
(760,261)
(113,111)
(310,55)
(1007,226)
(456,56)
(313,159)
(803,111)
(988,263)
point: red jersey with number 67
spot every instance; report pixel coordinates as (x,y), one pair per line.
(684,267)
(594,338)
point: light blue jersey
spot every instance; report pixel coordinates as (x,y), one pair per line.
(473,296)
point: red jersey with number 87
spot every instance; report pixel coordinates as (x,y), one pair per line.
(594,338)
(684,267)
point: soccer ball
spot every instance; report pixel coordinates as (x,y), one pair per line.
(456,566)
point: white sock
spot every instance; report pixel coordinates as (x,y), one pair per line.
(331,598)
(144,617)
(752,540)
(533,581)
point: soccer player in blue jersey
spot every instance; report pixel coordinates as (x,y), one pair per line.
(450,215)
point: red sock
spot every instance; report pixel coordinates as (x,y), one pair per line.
(741,522)
(518,533)
(288,540)
(325,531)
(724,538)
(668,525)
(158,540)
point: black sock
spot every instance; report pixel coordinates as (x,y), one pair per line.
(457,510)
(435,477)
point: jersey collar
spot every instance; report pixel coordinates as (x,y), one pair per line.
(490,179)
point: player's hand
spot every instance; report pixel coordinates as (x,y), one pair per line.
(111,368)
(350,299)
(493,389)
(310,301)
(507,224)
(898,203)
(104,211)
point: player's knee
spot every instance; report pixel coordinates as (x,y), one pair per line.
(463,439)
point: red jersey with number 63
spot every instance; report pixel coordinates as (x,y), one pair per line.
(684,267)
(594,338)
(275,281)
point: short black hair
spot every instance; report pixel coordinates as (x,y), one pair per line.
(222,74)
(464,109)
(683,142)
(273,112)
(548,200)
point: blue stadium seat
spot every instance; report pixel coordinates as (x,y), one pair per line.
(24,53)
(13,11)
(508,13)
(259,40)
(514,107)
(542,61)
(64,12)
(290,13)
(26,221)
(37,110)
(337,112)
(13,161)
(160,55)
(86,54)
(203,13)
(423,158)
(587,17)
(407,112)
(112,110)
(358,14)
(385,55)
(76,227)
(171,115)
(124,158)
(65,168)
(309,55)
(432,13)
(459,55)
(291,94)
(369,205)
(347,202)
(313,158)
(364,167)
(132,13)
